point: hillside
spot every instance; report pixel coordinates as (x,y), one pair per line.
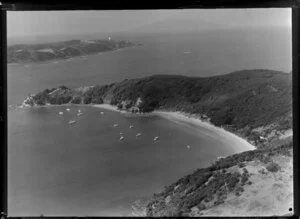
(23,53)
(254,104)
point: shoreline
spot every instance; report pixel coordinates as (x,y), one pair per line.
(187,118)
(172,116)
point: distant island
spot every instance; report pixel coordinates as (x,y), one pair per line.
(24,53)
(253,104)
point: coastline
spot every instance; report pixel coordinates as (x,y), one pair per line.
(187,118)
(175,116)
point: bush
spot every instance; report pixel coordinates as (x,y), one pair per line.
(233,180)
(87,100)
(97,100)
(76,100)
(63,87)
(48,90)
(245,170)
(241,165)
(244,178)
(201,207)
(41,98)
(273,167)
(120,106)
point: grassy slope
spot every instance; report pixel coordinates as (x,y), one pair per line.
(255,104)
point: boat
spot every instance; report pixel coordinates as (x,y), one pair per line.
(131,126)
(121,133)
(101,113)
(188,147)
(68,109)
(115,125)
(79,111)
(60,113)
(78,114)
(121,138)
(72,121)
(155,138)
(138,134)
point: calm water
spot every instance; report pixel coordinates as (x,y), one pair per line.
(83,169)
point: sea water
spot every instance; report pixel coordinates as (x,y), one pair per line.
(57,168)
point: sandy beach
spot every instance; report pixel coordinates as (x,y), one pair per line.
(107,106)
(222,133)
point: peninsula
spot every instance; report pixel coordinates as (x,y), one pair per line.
(25,53)
(253,104)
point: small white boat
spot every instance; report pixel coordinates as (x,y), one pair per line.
(78,114)
(188,147)
(115,125)
(79,111)
(72,121)
(138,134)
(68,109)
(121,138)
(101,113)
(155,138)
(60,113)
(131,126)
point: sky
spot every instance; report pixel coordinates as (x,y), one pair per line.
(33,23)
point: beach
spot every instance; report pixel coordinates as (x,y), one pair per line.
(186,118)
(195,120)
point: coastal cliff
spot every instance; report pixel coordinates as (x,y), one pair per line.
(253,104)
(23,53)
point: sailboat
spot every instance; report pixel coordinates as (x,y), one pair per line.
(72,121)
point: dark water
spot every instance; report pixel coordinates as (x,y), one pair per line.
(83,169)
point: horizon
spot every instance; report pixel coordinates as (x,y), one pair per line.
(28,23)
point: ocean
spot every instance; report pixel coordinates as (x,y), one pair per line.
(82,169)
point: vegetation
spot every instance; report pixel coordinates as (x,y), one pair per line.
(210,184)
(273,167)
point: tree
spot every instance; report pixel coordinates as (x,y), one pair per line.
(76,100)
(273,167)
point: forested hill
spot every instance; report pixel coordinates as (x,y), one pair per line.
(242,100)
(23,53)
